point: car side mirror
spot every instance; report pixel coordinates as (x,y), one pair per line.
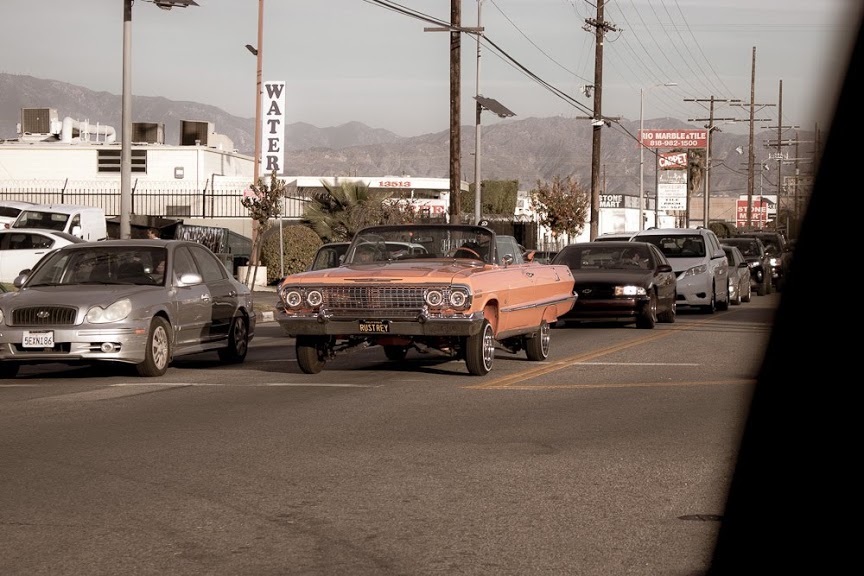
(507,259)
(76,231)
(21,278)
(664,268)
(190,279)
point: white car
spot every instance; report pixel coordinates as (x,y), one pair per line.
(699,262)
(9,211)
(21,248)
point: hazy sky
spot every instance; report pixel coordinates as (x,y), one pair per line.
(347,60)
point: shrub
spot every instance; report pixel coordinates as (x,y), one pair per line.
(300,244)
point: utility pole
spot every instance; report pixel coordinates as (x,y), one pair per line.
(477,113)
(711,128)
(455,111)
(751,154)
(780,157)
(455,29)
(600,28)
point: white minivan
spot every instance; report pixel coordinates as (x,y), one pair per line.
(86,222)
(699,262)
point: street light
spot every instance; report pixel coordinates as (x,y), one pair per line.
(259,55)
(642,155)
(487,104)
(126,112)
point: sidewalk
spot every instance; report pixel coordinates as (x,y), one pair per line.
(264,299)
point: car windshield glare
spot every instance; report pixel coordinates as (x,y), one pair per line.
(102,265)
(604,257)
(677,246)
(392,243)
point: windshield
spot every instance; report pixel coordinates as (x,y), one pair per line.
(390,243)
(44,220)
(677,246)
(604,257)
(101,265)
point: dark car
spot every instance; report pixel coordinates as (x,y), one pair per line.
(740,285)
(619,280)
(779,253)
(757,258)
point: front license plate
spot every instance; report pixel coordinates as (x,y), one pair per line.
(374,327)
(38,339)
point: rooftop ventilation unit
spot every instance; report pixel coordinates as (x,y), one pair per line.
(38,120)
(149,132)
(195,133)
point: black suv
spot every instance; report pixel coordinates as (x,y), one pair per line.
(779,254)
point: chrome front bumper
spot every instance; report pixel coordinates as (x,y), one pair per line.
(424,325)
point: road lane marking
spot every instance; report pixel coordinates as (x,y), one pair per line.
(252,385)
(584,358)
(744,381)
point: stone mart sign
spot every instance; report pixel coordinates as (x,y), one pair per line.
(674,138)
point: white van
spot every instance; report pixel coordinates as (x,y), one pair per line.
(87,222)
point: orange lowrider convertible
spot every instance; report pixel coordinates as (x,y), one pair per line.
(458,290)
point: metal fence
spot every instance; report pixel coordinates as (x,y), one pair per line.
(166,200)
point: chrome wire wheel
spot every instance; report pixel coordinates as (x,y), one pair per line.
(480,350)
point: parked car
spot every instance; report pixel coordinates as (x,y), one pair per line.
(699,262)
(87,222)
(329,255)
(615,236)
(465,296)
(141,302)
(10,209)
(626,281)
(544,256)
(758,260)
(779,253)
(739,275)
(21,248)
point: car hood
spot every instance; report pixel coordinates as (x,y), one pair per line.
(639,277)
(390,272)
(89,295)
(681,264)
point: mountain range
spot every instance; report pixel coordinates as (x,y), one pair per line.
(527,150)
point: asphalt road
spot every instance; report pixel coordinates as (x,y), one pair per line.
(612,457)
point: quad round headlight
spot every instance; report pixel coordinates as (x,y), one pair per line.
(292,298)
(434,298)
(314,298)
(458,298)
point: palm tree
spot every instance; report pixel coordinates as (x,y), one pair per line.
(338,212)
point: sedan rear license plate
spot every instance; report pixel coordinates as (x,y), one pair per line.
(38,339)
(374,327)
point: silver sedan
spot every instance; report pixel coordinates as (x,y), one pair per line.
(141,302)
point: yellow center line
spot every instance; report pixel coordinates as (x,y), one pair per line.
(514,379)
(619,385)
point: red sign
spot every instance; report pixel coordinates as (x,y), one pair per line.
(674,138)
(758,213)
(672,160)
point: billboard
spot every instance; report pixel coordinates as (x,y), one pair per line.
(672,181)
(758,213)
(674,138)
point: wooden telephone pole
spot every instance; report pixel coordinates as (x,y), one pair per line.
(600,28)
(455,30)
